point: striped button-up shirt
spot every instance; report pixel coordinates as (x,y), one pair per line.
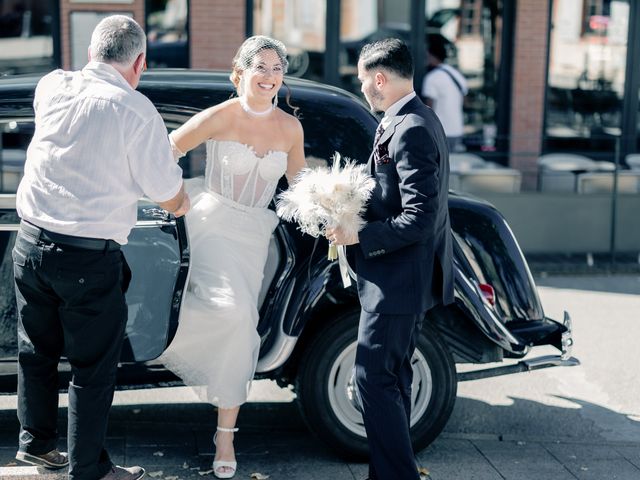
(99,145)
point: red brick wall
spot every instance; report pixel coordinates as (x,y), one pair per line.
(66,7)
(529,69)
(217,28)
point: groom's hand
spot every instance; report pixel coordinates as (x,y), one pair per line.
(337,237)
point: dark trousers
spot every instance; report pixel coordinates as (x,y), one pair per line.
(70,302)
(383,376)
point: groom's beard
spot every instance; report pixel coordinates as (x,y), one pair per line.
(376,99)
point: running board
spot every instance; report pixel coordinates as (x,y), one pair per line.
(538,363)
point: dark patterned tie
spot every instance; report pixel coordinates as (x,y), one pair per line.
(379,132)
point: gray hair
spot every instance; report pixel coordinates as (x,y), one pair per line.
(117,39)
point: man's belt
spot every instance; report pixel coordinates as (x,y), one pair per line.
(68,240)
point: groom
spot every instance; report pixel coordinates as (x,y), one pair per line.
(404,261)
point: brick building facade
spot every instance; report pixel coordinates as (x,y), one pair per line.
(528,86)
(217,27)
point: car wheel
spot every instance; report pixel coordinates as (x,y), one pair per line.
(326,393)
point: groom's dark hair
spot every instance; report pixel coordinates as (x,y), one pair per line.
(391,54)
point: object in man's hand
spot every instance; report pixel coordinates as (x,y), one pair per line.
(323,197)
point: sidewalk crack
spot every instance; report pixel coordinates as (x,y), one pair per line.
(487,460)
(558,460)
(633,464)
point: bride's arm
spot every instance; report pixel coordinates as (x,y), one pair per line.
(196,130)
(296,159)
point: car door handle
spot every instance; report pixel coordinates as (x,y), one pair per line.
(155,216)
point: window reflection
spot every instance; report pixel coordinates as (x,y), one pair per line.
(365,21)
(300,25)
(167,33)
(471,31)
(26,43)
(587,63)
(632,160)
(14,141)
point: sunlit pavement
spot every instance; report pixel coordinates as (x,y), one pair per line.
(561,423)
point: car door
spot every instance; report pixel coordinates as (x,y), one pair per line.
(157,254)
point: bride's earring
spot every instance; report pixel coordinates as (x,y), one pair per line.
(275,101)
(241,86)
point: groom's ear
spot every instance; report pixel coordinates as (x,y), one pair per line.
(380,80)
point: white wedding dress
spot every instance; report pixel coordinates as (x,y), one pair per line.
(216,346)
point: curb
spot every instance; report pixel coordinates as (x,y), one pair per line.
(31,473)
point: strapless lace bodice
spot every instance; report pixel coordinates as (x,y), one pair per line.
(236,172)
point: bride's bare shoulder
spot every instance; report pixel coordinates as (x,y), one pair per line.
(291,124)
(220,116)
(222,110)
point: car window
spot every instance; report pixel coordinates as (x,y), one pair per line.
(193,163)
(341,126)
(338,125)
(14,142)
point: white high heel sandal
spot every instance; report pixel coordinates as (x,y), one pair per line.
(219,464)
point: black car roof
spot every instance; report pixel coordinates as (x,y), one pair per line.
(183,75)
(188,77)
(27,80)
(25,84)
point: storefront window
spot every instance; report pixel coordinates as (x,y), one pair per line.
(300,25)
(167,33)
(365,21)
(26,42)
(470,29)
(587,63)
(471,32)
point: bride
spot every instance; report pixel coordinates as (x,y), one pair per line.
(250,144)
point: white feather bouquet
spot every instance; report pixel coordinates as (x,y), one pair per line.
(324,197)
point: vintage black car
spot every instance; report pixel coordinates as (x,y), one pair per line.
(308,321)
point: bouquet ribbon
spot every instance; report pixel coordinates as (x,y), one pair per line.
(345,270)
(339,252)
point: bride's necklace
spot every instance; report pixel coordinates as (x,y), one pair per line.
(245,106)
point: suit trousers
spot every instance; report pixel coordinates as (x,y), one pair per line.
(383,376)
(70,302)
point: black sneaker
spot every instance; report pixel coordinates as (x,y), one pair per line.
(52,460)
(122,473)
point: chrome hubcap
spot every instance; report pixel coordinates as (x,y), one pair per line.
(343,394)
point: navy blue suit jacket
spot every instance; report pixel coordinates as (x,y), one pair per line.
(404,258)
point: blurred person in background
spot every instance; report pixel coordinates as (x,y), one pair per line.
(444,89)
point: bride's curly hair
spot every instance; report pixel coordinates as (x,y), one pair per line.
(244,59)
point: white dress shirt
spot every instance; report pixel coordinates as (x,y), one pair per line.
(448,98)
(98,146)
(394,109)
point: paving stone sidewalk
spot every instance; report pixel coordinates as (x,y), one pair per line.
(173,442)
(576,423)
